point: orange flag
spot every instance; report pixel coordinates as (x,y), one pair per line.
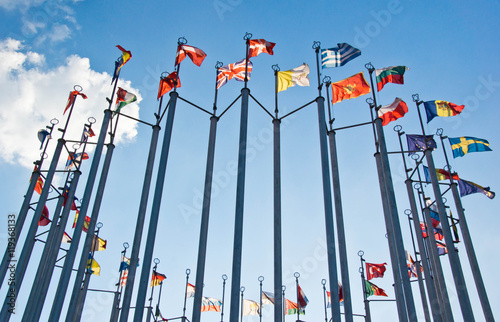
(168,83)
(351,87)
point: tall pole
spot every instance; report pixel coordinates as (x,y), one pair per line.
(327,198)
(283,289)
(115,311)
(397,239)
(188,271)
(323,282)
(339,216)
(278,261)
(148,317)
(224,279)
(469,247)
(155,212)
(297,275)
(242,290)
(240,200)
(205,212)
(456,267)
(261,278)
(368,317)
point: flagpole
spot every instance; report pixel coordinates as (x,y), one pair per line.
(278,260)
(205,213)
(297,275)
(323,282)
(456,267)
(283,289)
(224,279)
(240,199)
(115,310)
(188,271)
(158,304)
(469,247)
(247,42)
(368,317)
(156,261)
(327,196)
(261,278)
(339,216)
(242,290)
(395,237)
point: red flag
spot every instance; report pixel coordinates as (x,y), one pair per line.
(196,54)
(258,46)
(86,224)
(167,84)
(126,55)
(44,218)
(39,185)
(71,99)
(375,270)
(301,298)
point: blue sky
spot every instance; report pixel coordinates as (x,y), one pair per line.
(46,47)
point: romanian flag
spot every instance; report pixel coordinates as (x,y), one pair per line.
(441,108)
(297,76)
(375,270)
(440,173)
(393,111)
(196,54)
(168,83)
(348,88)
(465,144)
(210,304)
(71,99)
(372,289)
(126,55)
(259,46)
(392,74)
(468,187)
(157,279)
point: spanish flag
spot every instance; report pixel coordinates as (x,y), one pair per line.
(441,108)
(351,87)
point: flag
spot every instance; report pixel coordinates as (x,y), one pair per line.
(39,185)
(190,291)
(338,56)
(168,83)
(440,173)
(393,111)
(71,99)
(236,70)
(412,270)
(441,108)
(75,158)
(424,230)
(250,308)
(44,218)
(468,187)
(392,74)
(65,195)
(86,224)
(66,239)
(416,142)
(123,278)
(301,298)
(348,88)
(465,144)
(196,54)
(372,289)
(210,304)
(259,46)
(297,76)
(42,135)
(157,279)
(374,270)
(125,263)
(292,308)
(87,132)
(441,247)
(98,244)
(123,98)
(267,298)
(438,233)
(341,296)
(93,266)
(126,55)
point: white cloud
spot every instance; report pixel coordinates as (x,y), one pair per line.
(59,33)
(32,95)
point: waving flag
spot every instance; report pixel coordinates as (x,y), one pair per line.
(250,308)
(123,98)
(196,54)
(392,74)
(393,111)
(87,133)
(39,185)
(75,158)
(341,296)
(71,99)
(374,270)
(417,143)
(190,291)
(44,218)
(297,76)
(267,298)
(348,88)
(372,289)
(86,224)
(42,135)
(441,108)
(157,278)
(236,70)
(259,46)
(292,308)
(301,298)
(168,83)
(465,144)
(126,55)
(93,266)
(210,304)
(338,56)
(66,239)
(98,244)
(468,187)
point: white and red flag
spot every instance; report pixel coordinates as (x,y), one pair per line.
(375,270)
(196,54)
(236,70)
(259,46)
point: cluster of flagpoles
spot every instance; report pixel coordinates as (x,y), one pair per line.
(429,263)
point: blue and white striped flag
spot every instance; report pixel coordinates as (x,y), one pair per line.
(338,56)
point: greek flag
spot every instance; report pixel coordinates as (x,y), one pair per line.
(338,56)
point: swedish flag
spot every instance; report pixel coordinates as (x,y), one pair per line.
(465,144)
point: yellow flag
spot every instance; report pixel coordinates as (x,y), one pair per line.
(297,76)
(94,267)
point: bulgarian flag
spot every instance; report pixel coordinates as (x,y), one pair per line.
(393,111)
(392,74)
(123,98)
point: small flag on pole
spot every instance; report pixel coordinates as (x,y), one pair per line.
(301,298)
(93,266)
(168,83)
(259,46)
(417,143)
(123,98)
(393,111)
(44,218)
(190,290)
(197,55)
(66,239)
(126,55)
(348,88)
(374,270)
(75,158)
(157,279)
(465,144)
(297,76)
(42,135)
(236,70)
(468,187)
(250,308)
(441,108)
(338,56)
(372,289)
(98,244)
(392,74)
(292,308)
(210,304)
(87,132)
(86,224)
(39,185)
(71,99)
(267,298)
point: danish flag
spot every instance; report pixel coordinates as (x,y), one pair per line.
(236,70)
(196,54)
(259,46)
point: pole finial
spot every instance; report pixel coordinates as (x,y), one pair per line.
(126,245)
(156,261)
(188,271)
(242,289)
(415,98)
(275,67)
(397,128)
(247,36)
(54,121)
(99,225)
(370,102)
(296,274)
(370,67)
(91,120)
(316,45)
(327,80)
(182,41)
(323,282)
(361,253)
(408,212)
(218,65)
(261,278)
(283,288)
(224,277)
(78,88)
(439,132)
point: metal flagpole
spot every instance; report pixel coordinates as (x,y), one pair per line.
(278,261)
(469,247)
(224,278)
(283,289)
(327,197)
(188,271)
(157,311)
(205,212)
(339,216)
(297,275)
(456,267)
(242,290)
(148,317)
(240,198)
(323,282)
(116,300)
(70,257)
(21,217)
(397,238)
(261,278)
(368,317)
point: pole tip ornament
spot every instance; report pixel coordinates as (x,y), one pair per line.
(76,146)
(156,261)
(275,67)
(415,98)
(439,132)
(370,67)
(188,271)
(327,80)
(126,245)
(99,225)
(296,274)
(44,155)
(247,36)
(242,289)
(182,41)
(370,102)
(360,270)
(407,212)
(78,88)
(397,128)
(164,75)
(91,120)
(283,288)
(323,282)
(218,65)
(361,253)
(261,278)
(224,277)
(316,45)
(417,186)
(54,121)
